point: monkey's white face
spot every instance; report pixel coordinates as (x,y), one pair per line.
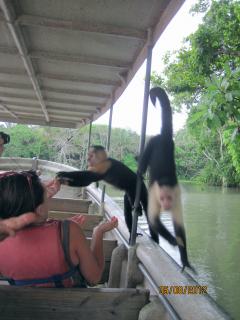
(166,197)
(95,157)
(92,158)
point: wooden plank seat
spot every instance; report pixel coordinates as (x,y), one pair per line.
(69,205)
(92,220)
(55,304)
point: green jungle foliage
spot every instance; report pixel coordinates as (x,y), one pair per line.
(69,146)
(204,76)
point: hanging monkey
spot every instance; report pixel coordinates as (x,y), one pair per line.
(164,191)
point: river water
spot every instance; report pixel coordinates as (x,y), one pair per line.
(212,222)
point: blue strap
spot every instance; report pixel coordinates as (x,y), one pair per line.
(57,279)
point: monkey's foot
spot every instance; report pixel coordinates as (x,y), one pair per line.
(190,267)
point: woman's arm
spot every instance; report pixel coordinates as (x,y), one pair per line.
(90,259)
(8,227)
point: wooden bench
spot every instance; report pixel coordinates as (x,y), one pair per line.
(69,304)
(69,205)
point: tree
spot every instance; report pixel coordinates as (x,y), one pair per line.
(26,141)
(204,76)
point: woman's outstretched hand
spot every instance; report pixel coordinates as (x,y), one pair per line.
(107,225)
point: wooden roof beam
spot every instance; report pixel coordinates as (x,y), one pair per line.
(22,86)
(37,121)
(33,110)
(75,92)
(84,59)
(28,106)
(15,85)
(8,50)
(64,117)
(6,109)
(92,105)
(20,104)
(75,113)
(82,26)
(61,77)
(18,38)
(54,56)
(12,71)
(4,96)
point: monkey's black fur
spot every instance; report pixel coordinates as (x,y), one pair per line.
(158,156)
(118,175)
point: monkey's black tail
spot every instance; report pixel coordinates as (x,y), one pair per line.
(160,93)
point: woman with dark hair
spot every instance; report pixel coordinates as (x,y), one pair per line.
(4,139)
(46,253)
(9,227)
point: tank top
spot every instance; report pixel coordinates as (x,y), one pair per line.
(39,256)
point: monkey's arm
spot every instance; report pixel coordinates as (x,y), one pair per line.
(78,178)
(144,159)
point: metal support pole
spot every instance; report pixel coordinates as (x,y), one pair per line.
(89,140)
(142,138)
(107,148)
(89,135)
(109,126)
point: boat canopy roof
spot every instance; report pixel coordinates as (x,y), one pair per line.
(64,63)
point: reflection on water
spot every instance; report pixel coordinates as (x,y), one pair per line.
(212,222)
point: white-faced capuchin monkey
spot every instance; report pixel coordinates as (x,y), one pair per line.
(114,172)
(164,191)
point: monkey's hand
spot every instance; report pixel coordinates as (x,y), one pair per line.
(63,178)
(78,178)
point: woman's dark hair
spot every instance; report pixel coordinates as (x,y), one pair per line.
(5,137)
(20,192)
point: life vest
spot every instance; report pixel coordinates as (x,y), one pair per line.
(39,256)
